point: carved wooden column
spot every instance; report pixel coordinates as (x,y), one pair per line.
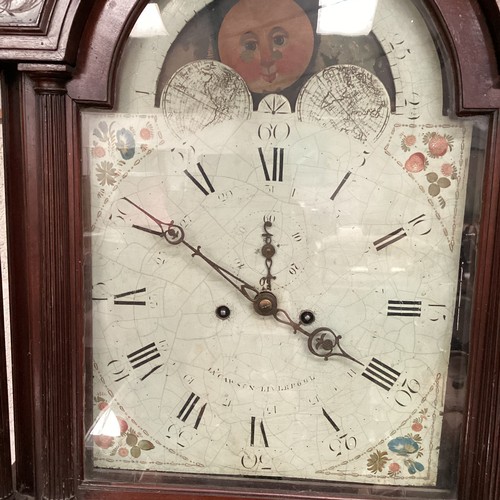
(6,489)
(46,241)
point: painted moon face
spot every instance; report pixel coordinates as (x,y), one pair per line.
(270,44)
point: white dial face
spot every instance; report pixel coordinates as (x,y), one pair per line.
(274,289)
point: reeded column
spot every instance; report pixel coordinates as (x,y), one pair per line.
(54,360)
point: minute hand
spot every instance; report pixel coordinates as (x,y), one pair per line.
(174,235)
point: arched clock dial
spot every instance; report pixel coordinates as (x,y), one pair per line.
(275,278)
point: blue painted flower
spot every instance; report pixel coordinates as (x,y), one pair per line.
(403,446)
(125,143)
(413,467)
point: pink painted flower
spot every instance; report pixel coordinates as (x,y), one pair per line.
(98,152)
(394,467)
(410,140)
(447,169)
(123,452)
(123,425)
(146,133)
(438,145)
(415,163)
(417,426)
(103,442)
(102,405)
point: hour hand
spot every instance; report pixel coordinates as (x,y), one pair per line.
(322,342)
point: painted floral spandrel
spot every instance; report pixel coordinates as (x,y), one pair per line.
(114,146)
(128,443)
(404,452)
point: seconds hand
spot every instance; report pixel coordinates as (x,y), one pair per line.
(323,342)
(268,251)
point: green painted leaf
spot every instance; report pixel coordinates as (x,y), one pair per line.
(131,439)
(145,445)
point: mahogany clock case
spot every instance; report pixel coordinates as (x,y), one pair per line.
(50,63)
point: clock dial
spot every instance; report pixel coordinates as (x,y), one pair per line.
(274,280)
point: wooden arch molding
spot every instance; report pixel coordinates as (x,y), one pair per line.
(475,69)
